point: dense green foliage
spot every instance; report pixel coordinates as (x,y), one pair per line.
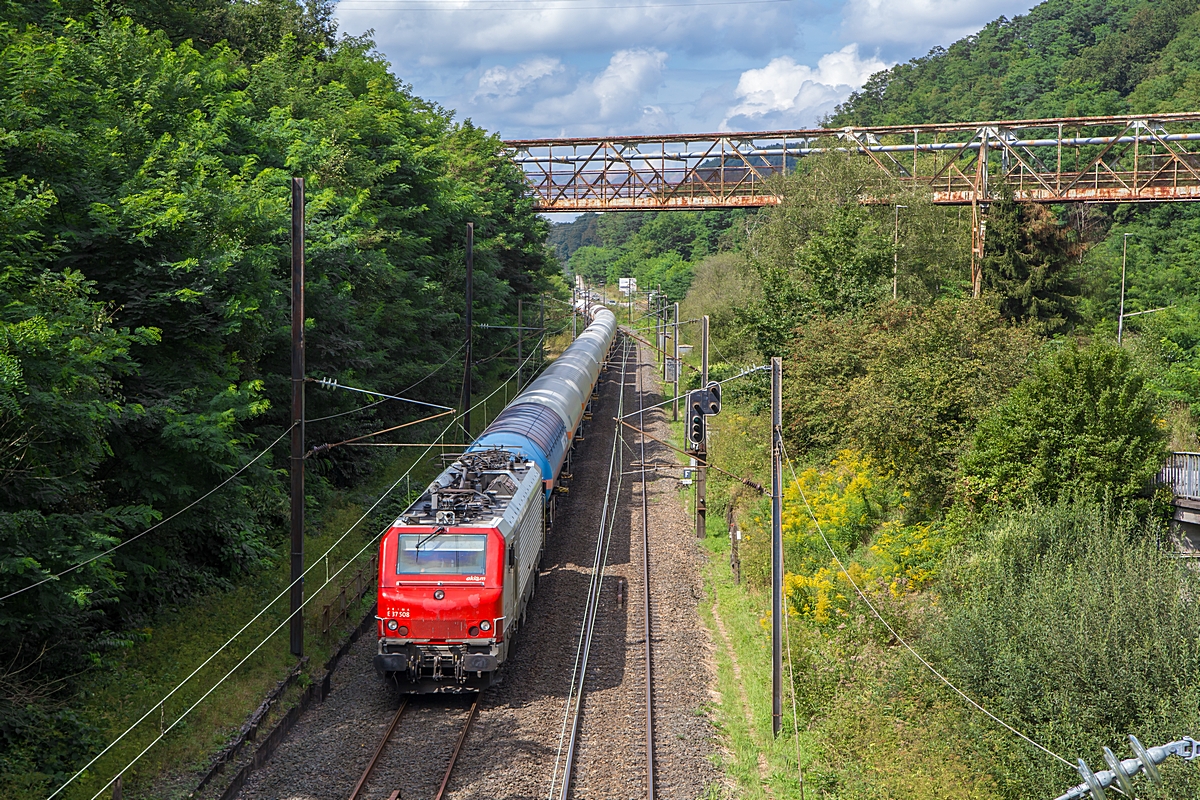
(1063,58)
(906,386)
(1083,423)
(144,276)
(983,469)
(1073,625)
(1029,264)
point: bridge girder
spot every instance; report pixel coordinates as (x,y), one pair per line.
(1060,160)
(1126,159)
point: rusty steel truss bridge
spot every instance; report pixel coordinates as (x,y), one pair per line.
(1126,159)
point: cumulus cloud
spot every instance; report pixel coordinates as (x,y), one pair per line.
(617,98)
(922,23)
(503,89)
(785,93)
(459,35)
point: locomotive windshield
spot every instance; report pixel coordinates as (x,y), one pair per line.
(447,554)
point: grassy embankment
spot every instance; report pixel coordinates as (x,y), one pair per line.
(859,719)
(177,641)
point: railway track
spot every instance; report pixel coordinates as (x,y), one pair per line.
(575,702)
(358,792)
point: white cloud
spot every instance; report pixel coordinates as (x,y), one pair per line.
(462,36)
(509,82)
(922,23)
(787,93)
(618,98)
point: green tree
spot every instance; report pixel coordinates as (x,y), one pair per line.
(1083,423)
(906,386)
(1029,261)
(1073,625)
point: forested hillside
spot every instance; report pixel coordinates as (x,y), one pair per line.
(659,248)
(1064,58)
(145,158)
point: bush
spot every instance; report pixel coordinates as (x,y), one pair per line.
(1069,622)
(1084,422)
(905,385)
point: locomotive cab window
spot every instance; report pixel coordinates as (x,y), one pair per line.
(445,554)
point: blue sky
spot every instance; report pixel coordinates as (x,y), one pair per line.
(535,68)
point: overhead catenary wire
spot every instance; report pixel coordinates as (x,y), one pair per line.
(401,5)
(842,567)
(215,489)
(741,374)
(427,376)
(153,527)
(230,641)
(161,703)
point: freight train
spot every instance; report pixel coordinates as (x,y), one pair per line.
(457,569)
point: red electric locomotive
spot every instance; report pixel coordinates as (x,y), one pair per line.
(456,572)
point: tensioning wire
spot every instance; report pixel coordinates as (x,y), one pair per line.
(778,434)
(256,617)
(428,375)
(156,525)
(230,641)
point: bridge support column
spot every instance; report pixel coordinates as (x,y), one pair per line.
(978,234)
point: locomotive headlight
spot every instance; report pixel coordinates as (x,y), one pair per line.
(392,625)
(439,594)
(404,630)
(485,626)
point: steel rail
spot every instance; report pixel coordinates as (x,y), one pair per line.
(462,737)
(646,593)
(387,734)
(607,517)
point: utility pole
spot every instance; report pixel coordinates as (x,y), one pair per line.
(702,450)
(574,316)
(296,602)
(542,328)
(776,545)
(520,342)
(675,347)
(1121,314)
(896,252)
(466,390)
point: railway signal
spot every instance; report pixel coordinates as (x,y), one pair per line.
(697,402)
(702,403)
(714,398)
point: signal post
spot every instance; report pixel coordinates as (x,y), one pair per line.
(701,403)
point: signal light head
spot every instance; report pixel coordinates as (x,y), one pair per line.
(696,399)
(714,398)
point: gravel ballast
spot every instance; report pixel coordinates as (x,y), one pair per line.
(514,744)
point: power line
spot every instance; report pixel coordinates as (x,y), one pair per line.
(265,609)
(777,433)
(232,639)
(402,5)
(153,527)
(427,376)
